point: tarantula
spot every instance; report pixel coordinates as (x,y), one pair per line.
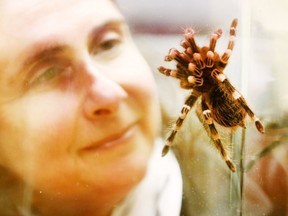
(200,69)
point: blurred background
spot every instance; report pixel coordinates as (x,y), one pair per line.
(261,38)
(257,68)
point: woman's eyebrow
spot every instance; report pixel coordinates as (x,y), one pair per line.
(43,50)
(49,48)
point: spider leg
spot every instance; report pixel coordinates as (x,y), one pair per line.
(213,40)
(179,74)
(244,104)
(238,97)
(190,101)
(189,43)
(226,55)
(210,55)
(183,61)
(208,119)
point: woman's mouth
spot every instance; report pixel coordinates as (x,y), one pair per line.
(114,139)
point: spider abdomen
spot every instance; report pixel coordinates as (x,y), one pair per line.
(226,111)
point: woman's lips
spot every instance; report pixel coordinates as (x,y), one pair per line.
(113,140)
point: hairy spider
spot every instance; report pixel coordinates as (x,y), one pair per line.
(200,69)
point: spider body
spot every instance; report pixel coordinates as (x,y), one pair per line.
(225,110)
(200,70)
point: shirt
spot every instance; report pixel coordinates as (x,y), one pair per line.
(159,193)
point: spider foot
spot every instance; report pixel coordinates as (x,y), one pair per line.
(231,165)
(165,150)
(165,71)
(168,72)
(259,126)
(233,27)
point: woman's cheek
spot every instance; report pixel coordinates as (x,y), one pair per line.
(34,124)
(49,112)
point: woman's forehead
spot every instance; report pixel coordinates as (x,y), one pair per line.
(36,19)
(22,23)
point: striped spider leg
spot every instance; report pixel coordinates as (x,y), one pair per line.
(190,101)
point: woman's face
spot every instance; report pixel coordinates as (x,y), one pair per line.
(78,110)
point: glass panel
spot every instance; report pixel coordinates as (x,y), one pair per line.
(257,68)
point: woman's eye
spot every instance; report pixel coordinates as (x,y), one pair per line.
(48,74)
(44,75)
(108,46)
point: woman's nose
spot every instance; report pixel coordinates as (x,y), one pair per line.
(103,97)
